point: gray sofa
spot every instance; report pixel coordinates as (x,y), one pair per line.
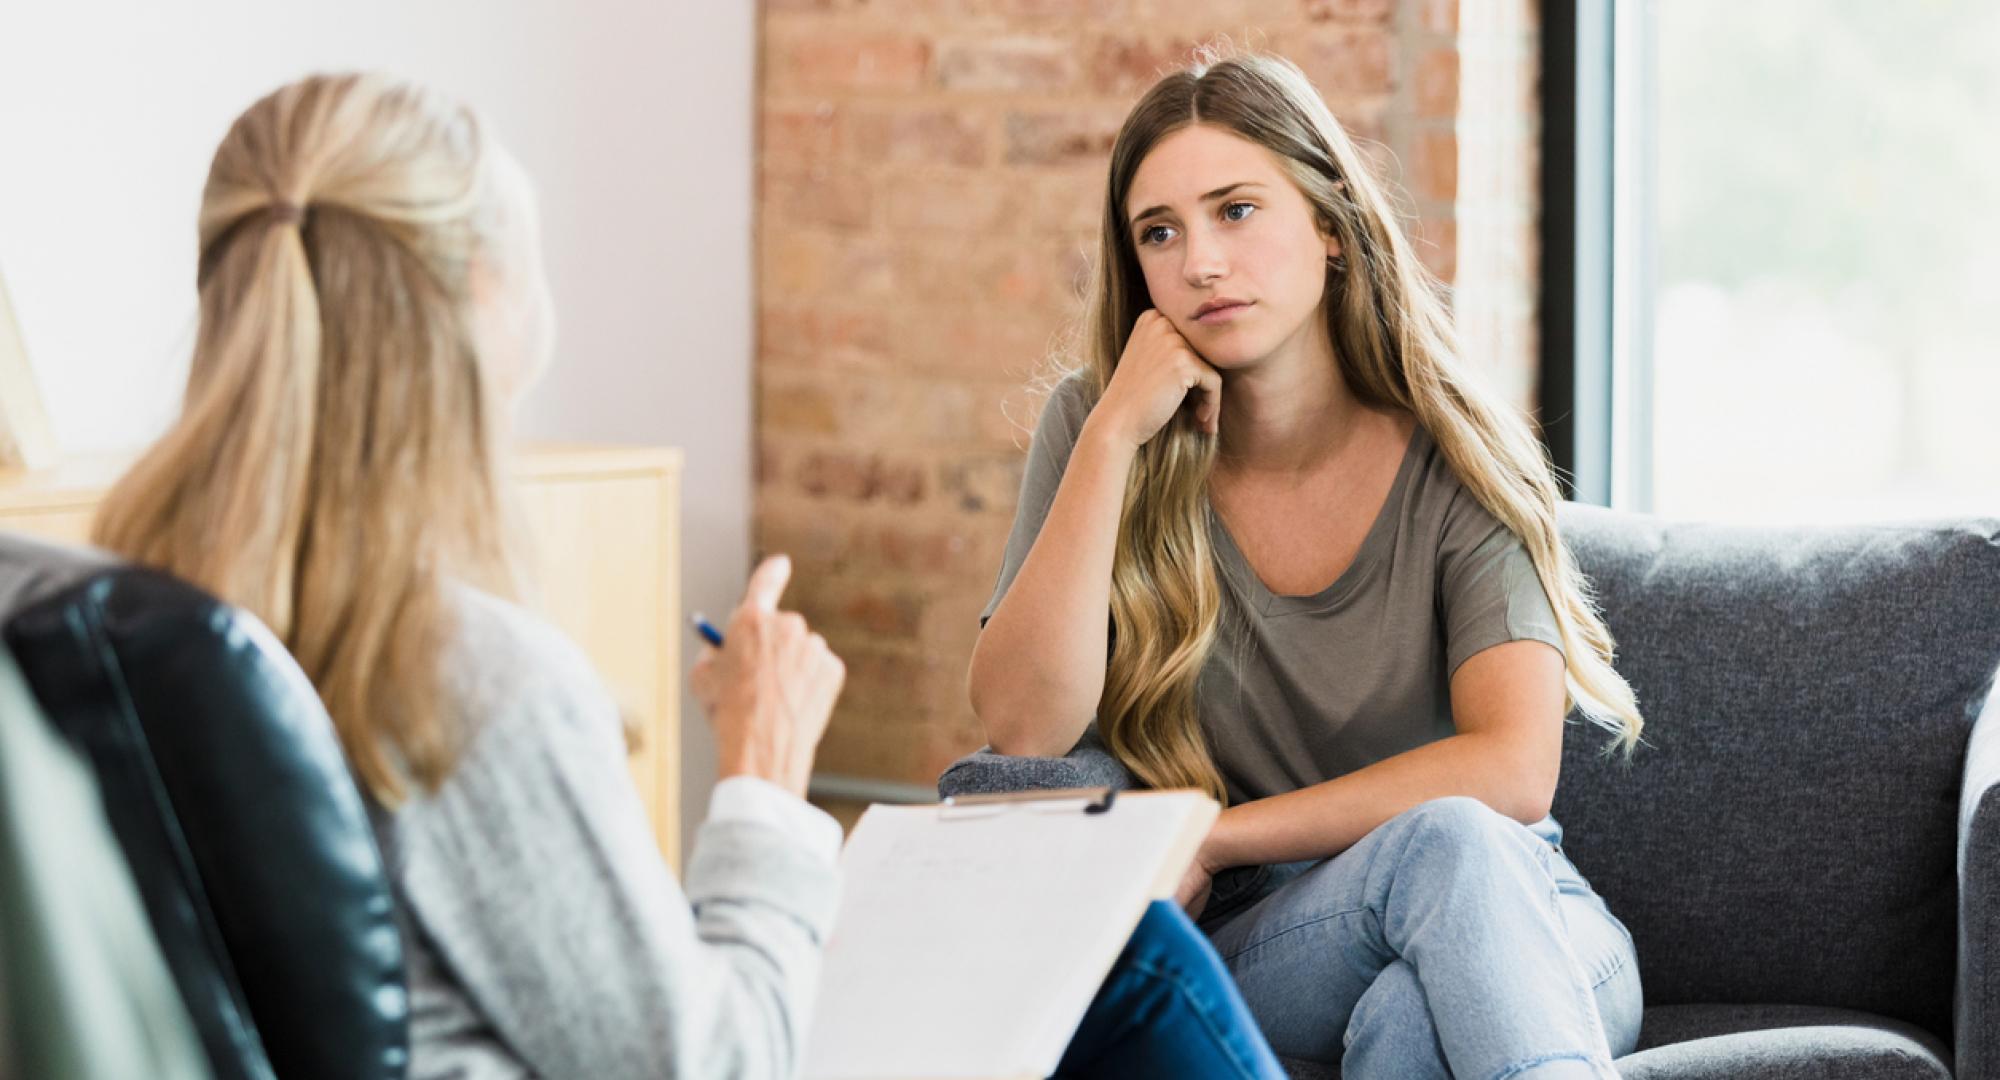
(1807,851)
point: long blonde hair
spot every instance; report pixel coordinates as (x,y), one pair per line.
(1394,341)
(335,458)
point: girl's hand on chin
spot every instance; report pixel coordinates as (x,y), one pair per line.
(1157,372)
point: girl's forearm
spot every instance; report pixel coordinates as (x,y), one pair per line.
(1327,818)
(1038,667)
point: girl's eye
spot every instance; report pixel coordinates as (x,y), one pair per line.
(1155,234)
(1237,211)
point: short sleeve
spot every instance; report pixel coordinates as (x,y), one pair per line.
(1488,591)
(1048,456)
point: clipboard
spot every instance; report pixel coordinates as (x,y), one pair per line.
(972,935)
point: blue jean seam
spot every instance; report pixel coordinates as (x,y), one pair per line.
(1609,975)
(1180,987)
(1586,995)
(1520,1067)
(1261,942)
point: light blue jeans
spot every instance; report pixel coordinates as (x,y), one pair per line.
(1449,942)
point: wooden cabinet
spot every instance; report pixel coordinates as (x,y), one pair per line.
(606,527)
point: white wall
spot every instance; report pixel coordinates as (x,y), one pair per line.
(634,118)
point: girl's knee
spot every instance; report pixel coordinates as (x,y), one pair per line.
(1462,831)
(1456,815)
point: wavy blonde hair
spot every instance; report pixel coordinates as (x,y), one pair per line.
(335,459)
(1394,341)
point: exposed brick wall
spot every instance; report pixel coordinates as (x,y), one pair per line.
(929,182)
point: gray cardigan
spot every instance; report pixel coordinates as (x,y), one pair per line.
(545,934)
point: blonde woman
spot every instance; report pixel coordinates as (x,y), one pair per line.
(1323,565)
(372,305)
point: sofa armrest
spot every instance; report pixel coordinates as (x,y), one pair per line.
(1976,1004)
(1088,764)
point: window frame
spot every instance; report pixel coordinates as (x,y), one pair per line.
(1594,383)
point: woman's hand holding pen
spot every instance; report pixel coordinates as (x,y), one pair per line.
(770,688)
(1157,373)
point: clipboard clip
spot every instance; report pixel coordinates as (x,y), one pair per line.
(1095,800)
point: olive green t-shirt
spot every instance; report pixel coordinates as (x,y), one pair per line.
(1302,689)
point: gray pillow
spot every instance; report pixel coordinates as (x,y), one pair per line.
(1790,833)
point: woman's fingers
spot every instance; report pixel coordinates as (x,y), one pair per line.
(1208,390)
(767,583)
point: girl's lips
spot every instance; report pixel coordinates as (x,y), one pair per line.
(1225,313)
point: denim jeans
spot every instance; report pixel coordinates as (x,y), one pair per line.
(1449,942)
(1168,1011)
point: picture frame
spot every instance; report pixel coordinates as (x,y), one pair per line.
(26,441)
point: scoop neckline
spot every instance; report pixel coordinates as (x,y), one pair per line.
(1380,532)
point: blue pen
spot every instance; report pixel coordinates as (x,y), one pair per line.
(706,629)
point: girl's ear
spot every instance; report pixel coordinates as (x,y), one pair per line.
(1332,247)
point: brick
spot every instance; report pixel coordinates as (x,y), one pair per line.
(1006,64)
(1383,165)
(1007,418)
(891,613)
(855,746)
(1069,203)
(831,198)
(1127,65)
(1344,61)
(865,540)
(1003,279)
(816,538)
(809,263)
(1239,21)
(876,674)
(799,138)
(767,463)
(1065,10)
(884,411)
(1363,118)
(1436,241)
(1437,16)
(1366,11)
(800,60)
(824,336)
(790,406)
(859,476)
(947,342)
(793,261)
(1071,137)
(928,550)
(981,484)
(954,615)
(1437,83)
(948,136)
(960,202)
(1435,164)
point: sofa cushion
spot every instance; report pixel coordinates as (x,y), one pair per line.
(1790,832)
(983,772)
(1779,1042)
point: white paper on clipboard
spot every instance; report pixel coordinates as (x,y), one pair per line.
(971,938)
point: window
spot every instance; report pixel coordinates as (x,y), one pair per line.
(1794,204)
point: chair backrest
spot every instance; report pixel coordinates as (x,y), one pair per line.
(1789,836)
(84,992)
(225,786)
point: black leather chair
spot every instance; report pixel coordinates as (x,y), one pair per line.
(225,787)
